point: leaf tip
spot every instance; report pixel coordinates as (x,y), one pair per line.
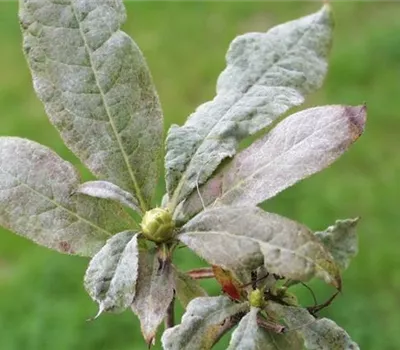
(101,309)
(357,116)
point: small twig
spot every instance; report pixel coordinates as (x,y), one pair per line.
(202,273)
(169,320)
(254,282)
(313,310)
(312,293)
(270,326)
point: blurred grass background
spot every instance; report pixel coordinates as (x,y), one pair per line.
(43,305)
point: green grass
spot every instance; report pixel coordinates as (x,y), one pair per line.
(43,305)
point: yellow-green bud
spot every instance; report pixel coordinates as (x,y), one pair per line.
(257,298)
(157,225)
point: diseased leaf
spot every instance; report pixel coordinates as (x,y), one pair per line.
(107,190)
(299,146)
(96,89)
(237,238)
(200,323)
(36,201)
(249,336)
(341,240)
(266,74)
(154,293)
(112,273)
(318,334)
(187,288)
(228,282)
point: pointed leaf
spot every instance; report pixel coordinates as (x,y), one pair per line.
(112,273)
(299,146)
(107,190)
(36,201)
(249,336)
(200,323)
(341,240)
(154,293)
(318,334)
(245,238)
(187,288)
(96,88)
(266,74)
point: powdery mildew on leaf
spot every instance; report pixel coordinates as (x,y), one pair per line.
(299,146)
(107,190)
(36,201)
(266,74)
(96,88)
(341,240)
(187,288)
(154,293)
(238,238)
(112,273)
(249,336)
(200,323)
(318,334)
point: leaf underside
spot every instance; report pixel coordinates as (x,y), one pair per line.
(299,146)
(154,293)
(200,323)
(112,273)
(96,89)
(266,74)
(36,201)
(238,239)
(318,334)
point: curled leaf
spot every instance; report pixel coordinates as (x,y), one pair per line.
(112,273)
(266,74)
(200,323)
(107,190)
(154,293)
(341,240)
(245,238)
(299,146)
(96,88)
(36,201)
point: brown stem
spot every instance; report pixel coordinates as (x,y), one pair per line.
(317,308)
(270,326)
(169,320)
(202,273)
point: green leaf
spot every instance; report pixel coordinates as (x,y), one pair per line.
(299,146)
(237,238)
(266,74)
(341,240)
(107,190)
(200,323)
(112,273)
(187,288)
(96,88)
(249,336)
(318,334)
(154,293)
(36,201)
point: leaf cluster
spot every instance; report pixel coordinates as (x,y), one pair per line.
(98,93)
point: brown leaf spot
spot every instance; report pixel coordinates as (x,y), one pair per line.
(357,117)
(65,247)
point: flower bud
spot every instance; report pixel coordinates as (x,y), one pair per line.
(157,225)
(256,298)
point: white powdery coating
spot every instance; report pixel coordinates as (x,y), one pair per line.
(96,88)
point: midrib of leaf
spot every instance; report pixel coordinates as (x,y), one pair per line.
(239,183)
(58,205)
(184,176)
(103,97)
(295,252)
